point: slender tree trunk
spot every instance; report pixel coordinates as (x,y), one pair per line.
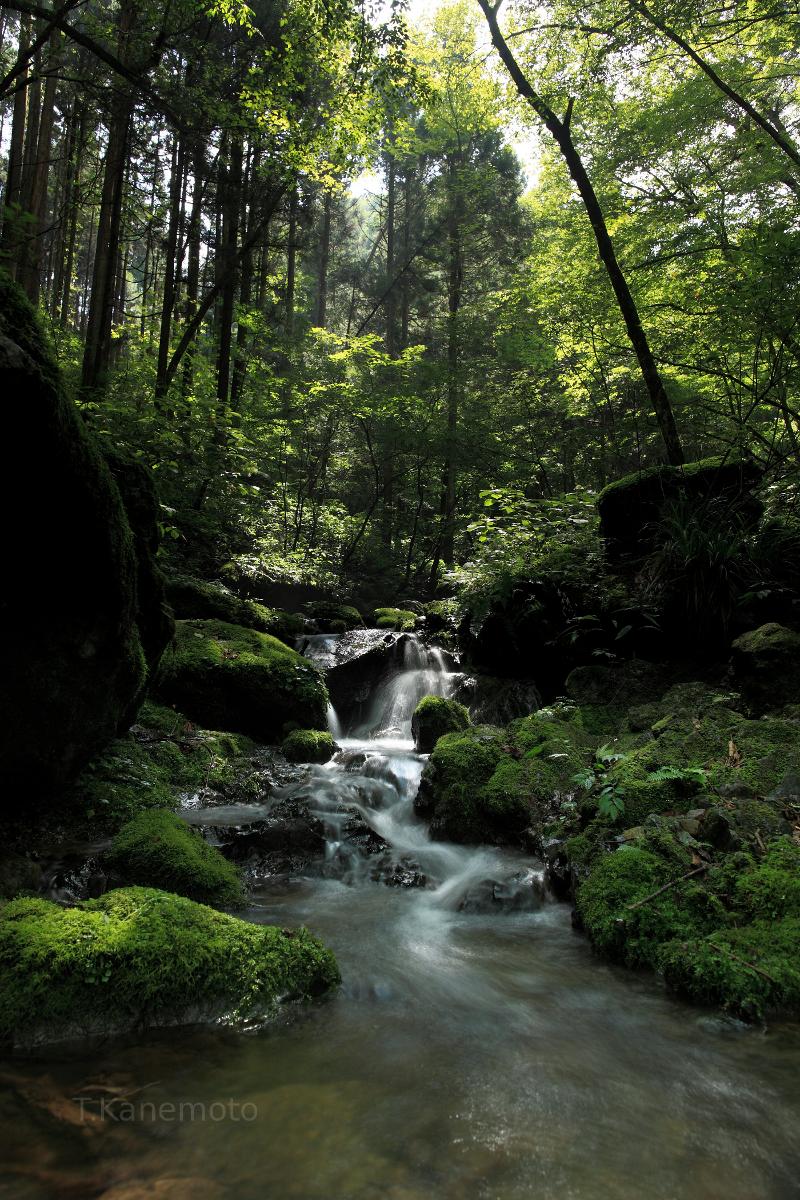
(13,190)
(454,290)
(229,272)
(97,348)
(291,264)
(321,312)
(170,281)
(31,268)
(559,129)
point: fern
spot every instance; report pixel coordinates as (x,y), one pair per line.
(679,775)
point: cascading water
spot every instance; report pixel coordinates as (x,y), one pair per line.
(476,1048)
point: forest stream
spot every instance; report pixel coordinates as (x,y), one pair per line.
(476,1047)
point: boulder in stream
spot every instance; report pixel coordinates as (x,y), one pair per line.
(227,677)
(137,958)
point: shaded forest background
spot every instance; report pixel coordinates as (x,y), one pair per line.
(291,259)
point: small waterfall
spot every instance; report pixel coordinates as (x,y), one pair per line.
(423,671)
(374,780)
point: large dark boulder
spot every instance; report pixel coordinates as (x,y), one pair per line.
(154,616)
(766,665)
(74,665)
(631,508)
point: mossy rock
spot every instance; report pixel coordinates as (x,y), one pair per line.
(493,785)
(73,665)
(400,619)
(433,717)
(158,849)
(331,617)
(140,957)
(163,758)
(227,677)
(459,767)
(750,971)
(309,746)
(630,508)
(199,599)
(766,663)
(634,935)
(701,745)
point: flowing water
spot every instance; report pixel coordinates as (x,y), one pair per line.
(475,1049)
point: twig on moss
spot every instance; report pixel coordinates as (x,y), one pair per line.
(745,963)
(672,883)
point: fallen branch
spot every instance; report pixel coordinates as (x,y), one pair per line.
(745,963)
(672,883)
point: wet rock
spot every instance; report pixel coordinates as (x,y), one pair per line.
(358,660)
(172,1187)
(523,891)
(494,701)
(404,873)
(766,665)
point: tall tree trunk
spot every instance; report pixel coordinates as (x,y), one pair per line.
(229,273)
(97,348)
(559,129)
(321,313)
(455,280)
(13,190)
(31,267)
(170,266)
(291,263)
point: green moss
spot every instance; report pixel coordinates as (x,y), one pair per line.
(334,618)
(486,784)
(395,618)
(202,600)
(158,849)
(309,746)
(138,957)
(634,935)
(748,971)
(433,718)
(164,756)
(227,677)
(771,890)
(460,765)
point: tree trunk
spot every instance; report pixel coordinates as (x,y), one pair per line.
(560,131)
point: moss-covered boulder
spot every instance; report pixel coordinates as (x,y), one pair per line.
(725,933)
(158,849)
(766,664)
(309,746)
(631,508)
(331,617)
(163,758)
(73,665)
(200,599)
(433,717)
(227,677)
(400,619)
(493,785)
(696,745)
(139,957)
